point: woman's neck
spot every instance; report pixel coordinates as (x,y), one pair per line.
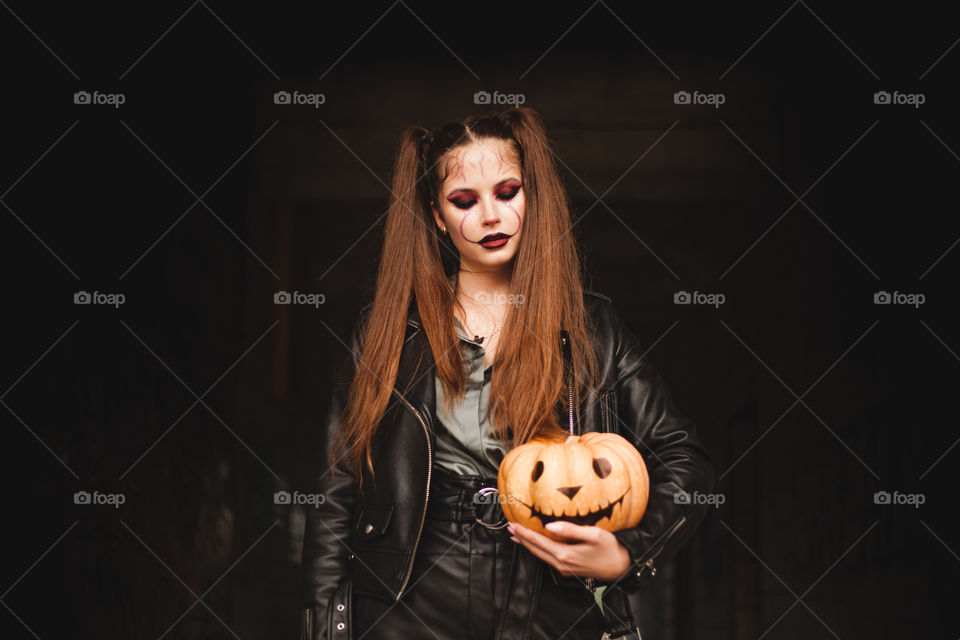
(492,283)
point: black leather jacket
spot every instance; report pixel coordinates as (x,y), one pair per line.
(384,523)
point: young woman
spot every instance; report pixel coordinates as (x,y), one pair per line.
(480,337)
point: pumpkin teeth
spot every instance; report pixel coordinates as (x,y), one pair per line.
(586,519)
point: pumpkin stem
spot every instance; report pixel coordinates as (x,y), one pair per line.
(571,439)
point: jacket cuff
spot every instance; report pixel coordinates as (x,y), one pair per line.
(635,576)
(643,565)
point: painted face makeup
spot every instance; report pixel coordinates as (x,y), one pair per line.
(504,192)
(483,202)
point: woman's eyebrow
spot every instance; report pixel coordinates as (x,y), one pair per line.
(466,190)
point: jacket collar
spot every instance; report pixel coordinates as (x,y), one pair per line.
(416,371)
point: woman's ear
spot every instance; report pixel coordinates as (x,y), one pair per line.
(437,217)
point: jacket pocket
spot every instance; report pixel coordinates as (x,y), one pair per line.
(372,521)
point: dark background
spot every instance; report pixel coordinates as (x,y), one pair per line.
(199,198)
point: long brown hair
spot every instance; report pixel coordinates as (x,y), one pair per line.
(529,377)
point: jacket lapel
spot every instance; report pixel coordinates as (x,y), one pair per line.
(416,370)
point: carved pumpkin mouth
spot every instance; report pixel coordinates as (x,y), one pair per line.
(587,519)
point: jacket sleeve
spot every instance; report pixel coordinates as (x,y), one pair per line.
(326,539)
(676,460)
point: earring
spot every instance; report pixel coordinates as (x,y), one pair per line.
(444,229)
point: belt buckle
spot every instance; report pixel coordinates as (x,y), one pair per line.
(483,497)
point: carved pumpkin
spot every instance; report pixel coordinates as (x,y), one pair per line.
(595,479)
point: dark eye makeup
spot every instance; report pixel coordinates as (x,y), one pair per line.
(462,203)
(508,194)
(504,192)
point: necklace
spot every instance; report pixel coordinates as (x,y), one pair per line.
(477,337)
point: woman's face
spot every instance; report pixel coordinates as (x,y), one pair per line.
(481,203)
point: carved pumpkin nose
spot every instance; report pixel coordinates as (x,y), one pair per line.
(569,491)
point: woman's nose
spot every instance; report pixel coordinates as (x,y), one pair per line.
(490,213)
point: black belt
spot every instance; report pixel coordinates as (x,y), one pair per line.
(465,498)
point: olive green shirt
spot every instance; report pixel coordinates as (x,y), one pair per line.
(465,441)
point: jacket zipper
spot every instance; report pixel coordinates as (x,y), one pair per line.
(306,627)
(605,413)
(426,499)
(568,365)
(648,563)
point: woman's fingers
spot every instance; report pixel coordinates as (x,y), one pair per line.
(575,532)
(546,556)
(560,555)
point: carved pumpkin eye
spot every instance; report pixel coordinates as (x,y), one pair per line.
(537,471)
(602,467)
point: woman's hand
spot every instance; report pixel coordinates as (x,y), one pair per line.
(588,551)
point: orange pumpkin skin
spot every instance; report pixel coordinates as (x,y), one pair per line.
(595,479)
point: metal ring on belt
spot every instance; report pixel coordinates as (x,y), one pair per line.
(485,491)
